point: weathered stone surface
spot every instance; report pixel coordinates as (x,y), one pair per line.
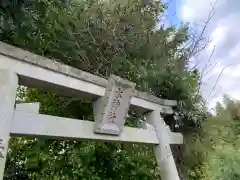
(28,107)
(175,138)
(53,127)
(8,89)
(163,151)
(110,110)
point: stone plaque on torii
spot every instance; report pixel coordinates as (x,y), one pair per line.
(111,101)
(111,110)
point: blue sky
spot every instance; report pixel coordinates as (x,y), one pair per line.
(172,11)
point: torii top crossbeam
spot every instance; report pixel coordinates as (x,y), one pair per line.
(40,72)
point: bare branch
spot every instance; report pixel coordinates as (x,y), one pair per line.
(215,94)
(202,74)
(196,40)
(218,79)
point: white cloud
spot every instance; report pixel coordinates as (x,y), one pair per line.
(195,10)
(217,36)
(224,33)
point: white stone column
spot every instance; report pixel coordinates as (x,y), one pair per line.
(8,89)
(163,151)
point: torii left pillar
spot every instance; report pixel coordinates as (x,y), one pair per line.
(8,91)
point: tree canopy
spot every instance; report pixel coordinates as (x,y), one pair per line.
(104,37)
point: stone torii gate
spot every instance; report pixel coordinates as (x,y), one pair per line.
(111,100)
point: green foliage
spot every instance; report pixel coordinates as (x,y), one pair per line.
(226,166)
(103,38)
(218,144)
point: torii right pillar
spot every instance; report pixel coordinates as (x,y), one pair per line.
(163,151)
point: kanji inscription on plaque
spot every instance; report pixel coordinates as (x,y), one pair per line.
(110,110)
